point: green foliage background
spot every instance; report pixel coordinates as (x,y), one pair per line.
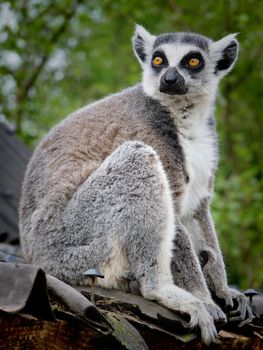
(57,55)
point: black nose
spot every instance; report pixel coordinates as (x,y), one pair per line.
(171,76)
(170,79)
(172,82)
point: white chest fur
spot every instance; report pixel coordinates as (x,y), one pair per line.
(200,156)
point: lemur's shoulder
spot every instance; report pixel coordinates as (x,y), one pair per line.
(126,115)
(126,102)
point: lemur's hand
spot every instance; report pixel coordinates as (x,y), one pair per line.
(215,311)
(236,306)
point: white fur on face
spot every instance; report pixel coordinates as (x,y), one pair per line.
(204,85)
(175,52)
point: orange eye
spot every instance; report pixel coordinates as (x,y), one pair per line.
(157,61)
(193,62)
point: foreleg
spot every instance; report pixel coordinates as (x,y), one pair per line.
(213,264)
(187,272)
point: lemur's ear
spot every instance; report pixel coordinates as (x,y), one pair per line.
(142,43)
(225,52)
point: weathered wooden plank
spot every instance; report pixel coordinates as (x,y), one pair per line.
(25,332)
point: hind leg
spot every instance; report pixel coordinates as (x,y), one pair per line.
(113,209)
(149,240)
(121,219)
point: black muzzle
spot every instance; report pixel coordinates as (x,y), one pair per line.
(172,83)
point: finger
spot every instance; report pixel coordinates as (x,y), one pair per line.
(243,323)
(229,301)
(241,309)
(249,318)
(236,318)
(208,332)
(193,320)
(234,313)
(237,315)
(242,305)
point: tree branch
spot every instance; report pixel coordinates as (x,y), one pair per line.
(31,79)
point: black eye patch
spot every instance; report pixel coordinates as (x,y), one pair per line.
(165,63)
(189,59)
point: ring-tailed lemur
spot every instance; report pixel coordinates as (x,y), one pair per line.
(125,184)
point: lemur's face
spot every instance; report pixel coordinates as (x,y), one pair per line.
(183,64)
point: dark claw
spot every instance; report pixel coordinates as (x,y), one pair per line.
(242,313)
